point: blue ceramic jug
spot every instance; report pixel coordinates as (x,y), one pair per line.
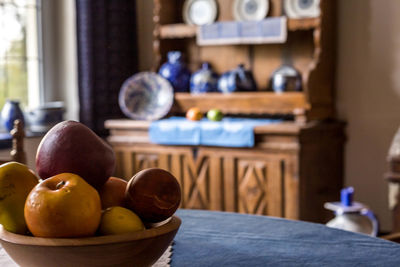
(176,72)
(204,80)
(237,80)
(10,112)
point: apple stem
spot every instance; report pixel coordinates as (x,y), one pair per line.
(60,184)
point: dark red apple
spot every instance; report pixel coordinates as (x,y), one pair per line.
(72,147)
(153,194)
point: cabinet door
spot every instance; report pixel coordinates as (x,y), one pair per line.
(257,182)
(259,186)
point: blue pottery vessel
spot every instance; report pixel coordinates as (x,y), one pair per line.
(10,112)
(237,80)
(204,80)
(176,72)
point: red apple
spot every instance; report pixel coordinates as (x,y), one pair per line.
(72,147)
(153,194)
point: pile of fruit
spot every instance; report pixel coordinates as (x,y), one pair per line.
(194,114)
(76,195)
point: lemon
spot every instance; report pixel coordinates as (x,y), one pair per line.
(16,181)
(119,220)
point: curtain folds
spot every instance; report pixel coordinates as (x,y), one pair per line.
(107,56)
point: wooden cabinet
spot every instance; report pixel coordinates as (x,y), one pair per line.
(310,48)
(292,170)
(295,166)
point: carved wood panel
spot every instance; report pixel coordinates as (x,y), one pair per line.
(259,187)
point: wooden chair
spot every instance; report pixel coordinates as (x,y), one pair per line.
(17,152)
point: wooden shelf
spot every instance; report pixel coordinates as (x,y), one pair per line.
(243,102)
(181,30)
(303,24)
(177,31)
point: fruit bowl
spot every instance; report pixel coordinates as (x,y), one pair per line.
(141,248)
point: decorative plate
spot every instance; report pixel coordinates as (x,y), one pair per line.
(146,96)
(200,12)
(250,10)
(296,9)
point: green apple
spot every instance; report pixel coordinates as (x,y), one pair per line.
(215,115)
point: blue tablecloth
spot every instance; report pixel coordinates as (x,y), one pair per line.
(230,132)
(208,238)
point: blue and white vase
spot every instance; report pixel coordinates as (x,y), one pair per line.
(237,80)
(204,80)
(176,72)
(10,112)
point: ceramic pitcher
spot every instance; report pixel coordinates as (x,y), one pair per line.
(10,112)
(352,216)
(204,80)
(176,72)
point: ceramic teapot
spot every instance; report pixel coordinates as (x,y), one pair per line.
(204,80)
(176,72)
(237,80)
(352,216)
(286,79)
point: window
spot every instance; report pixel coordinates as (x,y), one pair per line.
(20,56)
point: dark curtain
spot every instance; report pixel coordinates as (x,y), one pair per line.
(107,56)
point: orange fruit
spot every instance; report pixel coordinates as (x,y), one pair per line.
(119,220)
(64,205)
(112,192)
(194,114)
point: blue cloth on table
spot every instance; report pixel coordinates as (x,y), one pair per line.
(209,238)
(230,132)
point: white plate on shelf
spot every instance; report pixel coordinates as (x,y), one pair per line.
(296,9)
(250,10)
(146,96)
(199,12)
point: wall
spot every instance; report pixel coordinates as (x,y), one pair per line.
(368,97)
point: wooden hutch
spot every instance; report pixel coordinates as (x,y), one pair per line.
(295,166)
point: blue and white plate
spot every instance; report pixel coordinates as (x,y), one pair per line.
(146,96)
(250,10)
(296,9)
(200,12)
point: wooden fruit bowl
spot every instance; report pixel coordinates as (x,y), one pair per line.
(134,249)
